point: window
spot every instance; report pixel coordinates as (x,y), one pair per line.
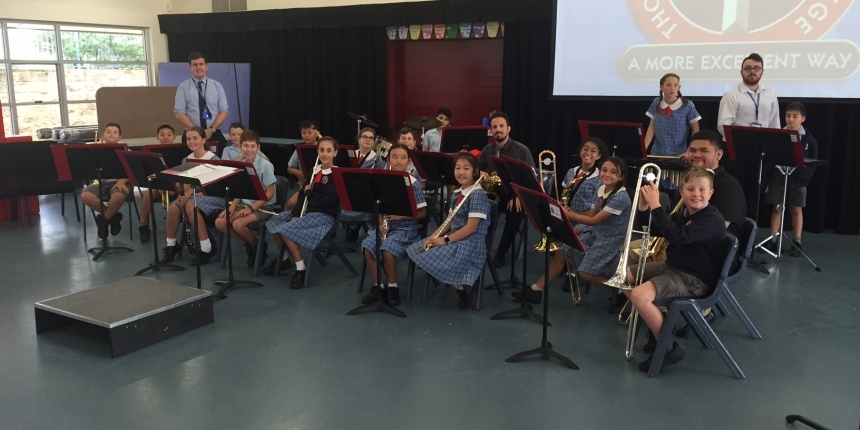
(52,71)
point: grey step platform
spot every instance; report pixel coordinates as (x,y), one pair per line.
(134,312)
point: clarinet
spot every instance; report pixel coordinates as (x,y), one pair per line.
(189,241)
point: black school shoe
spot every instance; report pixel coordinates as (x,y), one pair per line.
(499,260)
(796,251)
(298,280)
(116,224)
(205,256)
(532,296)
(285,265)
(393,298)
(145,233)
(651,345)
(352,233)
(373,295)
(169,253)
(102,226)
(673,356)
(464,298)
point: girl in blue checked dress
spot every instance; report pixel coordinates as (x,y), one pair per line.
(367,159)
(308,231)
(208,207)
(399,233)
(457,256)
(608,217)
(673,118)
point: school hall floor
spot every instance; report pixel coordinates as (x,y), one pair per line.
(277,358)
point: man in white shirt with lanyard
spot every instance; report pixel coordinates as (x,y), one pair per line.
(749,104)
(201,101)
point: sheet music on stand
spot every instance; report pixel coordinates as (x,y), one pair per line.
(205,174)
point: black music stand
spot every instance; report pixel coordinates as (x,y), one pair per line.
(172,153)
(141,168)
(458,138)
(547,217)
(381,192)
(308,155)
(435,167)
(772,146)
(624,139)
(96,162)
(516,172)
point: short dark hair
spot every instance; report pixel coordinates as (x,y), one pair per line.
(755,57)
(499,114)
(197,55)
(797,107)
(714,138)
(307,124)
(250,136)
(444,111)
(476,172)
(406,130)
(163,126)
(113,124)
(398,146)
(360,132)
(237,125)
(330,139)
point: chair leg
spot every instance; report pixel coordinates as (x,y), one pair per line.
(25,209)
(225,248)
(721,349)
(410,280)
(130,223)
(342,257)
(479,285)
(309,267)
(258,260)
(426,287)
(724,311)
(733,303)
(63,204)
(363,275)
(84,216)
(494,274)
(698,331)
(77,209)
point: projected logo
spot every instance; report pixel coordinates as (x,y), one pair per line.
(709,40)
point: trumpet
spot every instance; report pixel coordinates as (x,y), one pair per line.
(549,183)
(620,279)
(305,204)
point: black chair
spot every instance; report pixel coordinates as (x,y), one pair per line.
(282,194)
(488,262)
(32,164)
(317,255)
(691,310)
(130,201)
(748,233)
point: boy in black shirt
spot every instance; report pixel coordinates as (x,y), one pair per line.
(693,260)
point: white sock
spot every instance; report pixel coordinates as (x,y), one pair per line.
(300,265)
(171,242)
(205,246)
(459,287)
(287,257)
(392,285)
(536,288)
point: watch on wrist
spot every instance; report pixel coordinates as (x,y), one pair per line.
(447,239)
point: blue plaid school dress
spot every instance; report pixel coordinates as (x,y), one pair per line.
(459,262)
(401,233)
(605,240)
(307,231)
(581,201)
(367,163)
(671,126)
(207,204)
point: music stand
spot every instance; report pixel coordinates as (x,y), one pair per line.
(436,167)
(624,139)
(172,153)
(772,146)
(457,138)
(381,192)
(84,162)
(516,172)
(141,167)
(345,157)
(547,217)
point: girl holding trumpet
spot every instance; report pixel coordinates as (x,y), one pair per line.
(397,233)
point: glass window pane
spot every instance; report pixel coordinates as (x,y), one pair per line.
(7,120)
(2,51)
(99,46)
(34,117)
(4,86)
(82,80)
(32,41)
(35,83)
(83,114)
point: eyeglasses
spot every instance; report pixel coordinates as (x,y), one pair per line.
(752,69)
(367,137)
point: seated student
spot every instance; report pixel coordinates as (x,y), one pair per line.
(208,207)
(117,190)
(244,211)
(407,138)
(165,135)
(397,232)
(367,159)
(309,229)
(234,152)
(432,140)
(798,179)
(693,264)
(310,136)
(585,178)
(608,217)
(457,256)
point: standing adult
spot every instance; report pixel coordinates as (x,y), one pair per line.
(201,101)
(504,145)
(750,104)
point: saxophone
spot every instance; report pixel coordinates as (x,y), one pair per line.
(447,223)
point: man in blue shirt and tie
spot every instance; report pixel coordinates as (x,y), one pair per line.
(201,101)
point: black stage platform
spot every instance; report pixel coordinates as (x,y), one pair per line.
(134,312)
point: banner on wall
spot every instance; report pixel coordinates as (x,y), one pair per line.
(462,30)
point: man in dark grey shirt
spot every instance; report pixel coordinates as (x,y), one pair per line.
(508,147)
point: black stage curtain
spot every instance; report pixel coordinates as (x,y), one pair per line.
(833,201)
(302,74)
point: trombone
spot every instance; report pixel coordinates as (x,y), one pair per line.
(650,172)
(549,183)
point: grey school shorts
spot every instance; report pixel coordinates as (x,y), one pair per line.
(259,215)
(108,190)
(672,283)
(796,195)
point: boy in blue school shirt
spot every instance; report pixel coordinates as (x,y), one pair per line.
(244,212)
(234,151)
(798,179)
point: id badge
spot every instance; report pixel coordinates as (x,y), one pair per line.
(756,124)
(208,115)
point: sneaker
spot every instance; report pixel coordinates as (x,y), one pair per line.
(116,224)
(298,280)
(499,260)
(169,253)
(464,298)
(673,356)
(102,226)
(145,233)
(285,265)
(393,298)
(651,345)
(531,296)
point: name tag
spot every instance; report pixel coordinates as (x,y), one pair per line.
(756,124)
